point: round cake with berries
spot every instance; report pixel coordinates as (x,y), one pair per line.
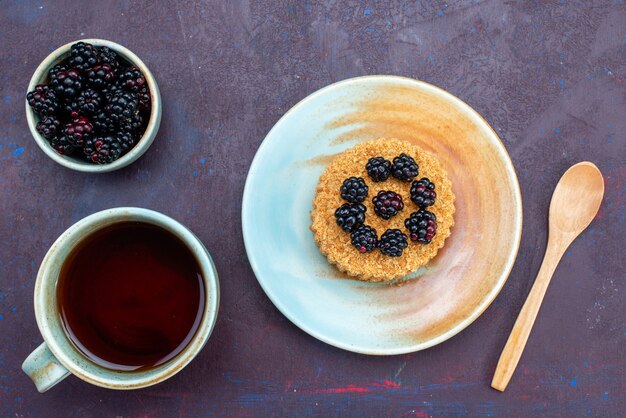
(382,210)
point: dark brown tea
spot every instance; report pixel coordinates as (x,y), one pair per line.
(131,296)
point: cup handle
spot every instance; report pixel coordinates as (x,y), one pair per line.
(44,368)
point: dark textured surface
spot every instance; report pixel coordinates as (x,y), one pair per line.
(549,78)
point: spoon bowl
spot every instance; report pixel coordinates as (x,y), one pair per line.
(576,199)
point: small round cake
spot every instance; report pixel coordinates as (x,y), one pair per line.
(382,210)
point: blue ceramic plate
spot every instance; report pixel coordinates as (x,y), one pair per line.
(456,286)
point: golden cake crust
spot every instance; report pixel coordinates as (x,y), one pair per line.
(335,243)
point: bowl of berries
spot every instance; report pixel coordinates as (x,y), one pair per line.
(93,106)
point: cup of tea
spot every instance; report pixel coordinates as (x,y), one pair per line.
(124,299)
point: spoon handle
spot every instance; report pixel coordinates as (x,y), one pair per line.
(521,330)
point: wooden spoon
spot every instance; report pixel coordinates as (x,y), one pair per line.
(574,204)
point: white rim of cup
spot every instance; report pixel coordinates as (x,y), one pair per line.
(124,380)
(140,147)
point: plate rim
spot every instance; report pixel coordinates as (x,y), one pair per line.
(510,167)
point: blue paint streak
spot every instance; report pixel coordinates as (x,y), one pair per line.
(14,309)
(202,160)
(19,151)
(7,99)
(367,12)
(195,173)
(1,317)
(573,383)
(605,395)
(562,82)
(557,131)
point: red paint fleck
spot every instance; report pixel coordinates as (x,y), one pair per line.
(288,385)
(345,389)
(448,379)
(416,414)
(385,384)
(390,384)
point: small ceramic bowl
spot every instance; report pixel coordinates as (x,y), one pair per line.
(41,76)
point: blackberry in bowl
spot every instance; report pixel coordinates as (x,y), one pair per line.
(93,89)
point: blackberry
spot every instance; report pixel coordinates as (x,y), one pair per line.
(364,239)
(78,131)
(109,90)
(87,103)
(102,149)
(126,141)
(62,145)
(350,216)
(423,193)
(100,76)
(107,56)
(83,56)
(133,125)
(143,96)
(422,226)
(378,168)
(67,84)
(103,123)
(392,243)
(43,100)
(404,168)
(48,126)
(354,190)
(387,204)
(122,107)
(131,79)
(54,71)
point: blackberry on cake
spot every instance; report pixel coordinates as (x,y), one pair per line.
(350,216)
(378,168)
(422,226)
(404,168)
(354,190)
(393,242)
(364,239)
(423,192)
(387,204)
